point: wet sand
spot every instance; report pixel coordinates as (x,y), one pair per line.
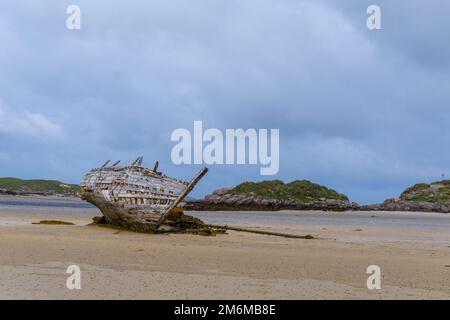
(414,260)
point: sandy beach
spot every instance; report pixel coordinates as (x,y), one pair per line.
(414,260)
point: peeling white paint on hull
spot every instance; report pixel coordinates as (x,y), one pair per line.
(134,193)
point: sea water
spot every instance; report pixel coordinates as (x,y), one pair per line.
(434,227)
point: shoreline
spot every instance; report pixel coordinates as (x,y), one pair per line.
(77,199)
(38,197)
(413,257)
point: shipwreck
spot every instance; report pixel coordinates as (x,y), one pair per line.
(136,197)
(139,199)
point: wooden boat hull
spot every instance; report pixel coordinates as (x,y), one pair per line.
(117,214)
(134,194)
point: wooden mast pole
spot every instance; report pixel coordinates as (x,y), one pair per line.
(180,198)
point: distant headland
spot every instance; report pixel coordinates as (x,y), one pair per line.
(271,195)
(305,195)
(424,197)
(274,195)
(15,186)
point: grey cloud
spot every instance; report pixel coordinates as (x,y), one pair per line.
(363,111)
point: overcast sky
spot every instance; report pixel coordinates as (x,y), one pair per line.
(363,111)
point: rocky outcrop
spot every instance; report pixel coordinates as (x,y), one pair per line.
(422,197)
(434,197)
(7,192)
(223,199)
(402,205)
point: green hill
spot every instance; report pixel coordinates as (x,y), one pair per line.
(302,190)
(436,192)
(37,186)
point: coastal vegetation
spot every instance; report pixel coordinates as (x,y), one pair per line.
(301,190)
(270,195)
(305,195)
(436,192)
(274,195)
(421,197)
(37,186)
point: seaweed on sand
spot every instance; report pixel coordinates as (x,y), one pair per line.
(177,223)
(54,222)
(189,225)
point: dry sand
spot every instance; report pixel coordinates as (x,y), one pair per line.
(119,264)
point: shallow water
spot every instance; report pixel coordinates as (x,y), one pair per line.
(433,227)
(385,220)
(373,219)
(63,203)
